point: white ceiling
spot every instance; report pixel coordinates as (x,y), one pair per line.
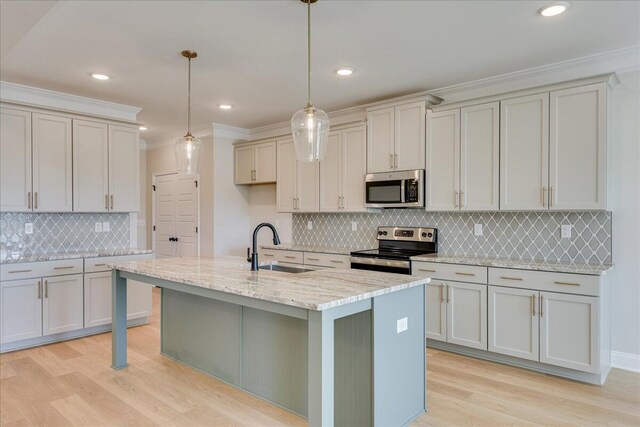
(252,54)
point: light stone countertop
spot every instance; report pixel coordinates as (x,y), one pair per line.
(310,248)
(520,264)
(52,256)
(313,290)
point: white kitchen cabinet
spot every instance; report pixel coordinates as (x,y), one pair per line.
(308,186)
(52,163)
(62,304)
(20,310)
(577,148)
(436,308)
(243,164)
(513,322)
(255,164)
(443,161)
(90,166)
(467,314)
(123,169)
(15,161)
(524,153)
(395,138)
(298,188)
(139,299)
(343,170)
(569,332)
(97,299)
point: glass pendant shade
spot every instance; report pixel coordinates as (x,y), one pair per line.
(188,149)
(310,128)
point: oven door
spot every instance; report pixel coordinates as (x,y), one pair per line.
(380,264)
(395,190)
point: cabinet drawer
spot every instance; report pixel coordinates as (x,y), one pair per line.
(327,260)
(28,270)
(545,281)
(281,256)
(94,265)
(455,272)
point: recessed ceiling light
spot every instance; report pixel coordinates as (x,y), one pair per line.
(554,9)
(143,128)
(344,71)
(225,107)
(99,76)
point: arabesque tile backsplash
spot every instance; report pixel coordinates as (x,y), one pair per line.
(60,232)
(519,235)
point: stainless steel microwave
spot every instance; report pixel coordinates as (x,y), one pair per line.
(403,189)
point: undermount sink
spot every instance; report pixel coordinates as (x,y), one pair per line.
(283,268)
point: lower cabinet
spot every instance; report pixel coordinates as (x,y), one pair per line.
(436,307)
(62,308)
(20,310)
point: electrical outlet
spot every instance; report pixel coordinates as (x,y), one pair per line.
(477,230)
(98,227)
(354,226)
(28,228)
(565,231)
(402,324)
(309,225)
(106,227)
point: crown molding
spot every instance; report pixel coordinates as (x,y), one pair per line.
(199,131)
(222,131)
(35,97)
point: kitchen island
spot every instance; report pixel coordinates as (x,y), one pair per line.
(337,346)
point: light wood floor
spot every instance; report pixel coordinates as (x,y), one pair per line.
(71,383)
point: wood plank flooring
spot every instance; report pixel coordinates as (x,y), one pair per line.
(71,383)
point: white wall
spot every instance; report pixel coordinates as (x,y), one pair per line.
(141,223)
(262,208)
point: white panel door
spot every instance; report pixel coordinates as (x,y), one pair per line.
(513,322)
(480,157)
(380,140)
(15,161)
(243,167)
(331,171)
(569,331)
(265,162)
(52,164)
(524,153)
(308,186)
(409,136)
(577,154)
(63,304)
(165,216)
(186,202)
(443,161)
(97,299)
(90,167)
(20,310)
(436,307)
(354,168)
(467,314)
(123,169)
(286,187)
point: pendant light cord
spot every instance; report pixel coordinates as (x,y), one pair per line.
(189,102)
(309,53)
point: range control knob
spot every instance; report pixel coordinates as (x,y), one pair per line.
(430,234)
(379,233)
(384,233)
(424,234)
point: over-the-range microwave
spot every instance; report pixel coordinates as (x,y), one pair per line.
(404,189)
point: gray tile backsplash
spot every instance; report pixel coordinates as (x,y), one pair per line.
(520,235)
(60,232)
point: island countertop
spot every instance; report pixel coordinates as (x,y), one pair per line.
(313,290)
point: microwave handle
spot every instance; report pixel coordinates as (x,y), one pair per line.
(402,190)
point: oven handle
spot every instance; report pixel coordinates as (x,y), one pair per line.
(402,190)
(381,262)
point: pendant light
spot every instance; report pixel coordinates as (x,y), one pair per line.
(188,147)
(310,126)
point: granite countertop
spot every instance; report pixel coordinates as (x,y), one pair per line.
(311,248)
(52,256)
(313,290)
(521,264)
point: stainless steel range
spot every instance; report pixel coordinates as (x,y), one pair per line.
(396,246)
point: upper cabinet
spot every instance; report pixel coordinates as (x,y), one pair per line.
(255,164)
(395,139)
(90,166)
(15,161)
(123,168)
(298,182)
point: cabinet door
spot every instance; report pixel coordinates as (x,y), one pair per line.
(380,140)
(443,161)
(138,299)
(467,314)
(286,167)
(15,161)
(90,167)
(97,299)
(524,153)
(513,322)
(354,168)
(63,304)
(480,157)
(123,169)
(243,167)
(436,306)
(409,136)
(20,310)
(331,171)
(52,164)
(569,331)
(265,162)
(577,156)
(308,186)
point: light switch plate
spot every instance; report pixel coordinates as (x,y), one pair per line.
(98,227)
(565,231)
(106,227)
(477,230)
(28,228)
(309,225)
(354,226)
(402,324)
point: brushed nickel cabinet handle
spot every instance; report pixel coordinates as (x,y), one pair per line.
(441,293)
(289,257)
(29,200)
(391,160)
(66,267)
(112,201)
(335,261)
(39,289)
(427,270)
(106,202)
(19,271)
(270,255)
(395,162)
(541,305)
(511,278)
(550,197)
(35,200)
(313,259)
(461,198)
(46,289)
(533,305)
(455,199)
(464,274)
(448,294)
(544,196)
(99,265)
(567,283)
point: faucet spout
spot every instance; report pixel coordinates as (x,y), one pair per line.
(254,254)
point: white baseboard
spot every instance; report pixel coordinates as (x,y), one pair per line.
(626,361)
